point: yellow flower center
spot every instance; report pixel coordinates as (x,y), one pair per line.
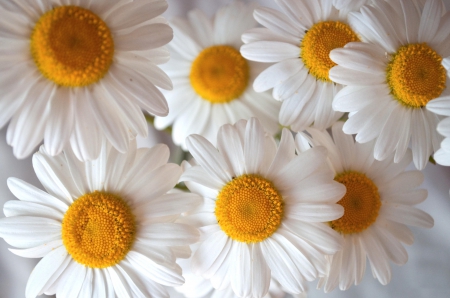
(249,208)
(219,74)
(415,75)
(361,203)
(318,42)
(98,229)
(72,46)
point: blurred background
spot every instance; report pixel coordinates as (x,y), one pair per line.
(426,274)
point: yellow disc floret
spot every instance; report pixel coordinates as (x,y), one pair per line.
(415,75)
(98,229)
(318,42)
(72,46)
(361,203)
(219,74)
(249,208)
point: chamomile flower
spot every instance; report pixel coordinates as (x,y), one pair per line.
(441,106)
(78,72)
(264,210)
(212,81)
(298,40)
(105,228)
(392,78)
(379,204)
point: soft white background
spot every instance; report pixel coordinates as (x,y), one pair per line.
(427,273)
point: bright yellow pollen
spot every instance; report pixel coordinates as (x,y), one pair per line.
(415,75)
(219,74)
(361,203)
(318,42)
(98,229)
(249,209)
(72,46)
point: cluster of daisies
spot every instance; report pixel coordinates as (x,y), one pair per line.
(302,183)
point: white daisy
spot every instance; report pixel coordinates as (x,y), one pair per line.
(298,40)
(264,210)
(212,81)
(393,76)
(105,228)
(441,106)
(79,71)
(378,206)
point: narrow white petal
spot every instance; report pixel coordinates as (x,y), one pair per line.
(314,212)
(208,157)
(269,51)
(169,234)
(143,38)
(406,215)
(29,193)
(44,271)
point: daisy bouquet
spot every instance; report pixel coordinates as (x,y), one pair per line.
(300,133)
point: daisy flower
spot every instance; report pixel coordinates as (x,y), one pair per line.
(394,76)
(79,71)
(264,210)
(212,81)
(104,228)
(378,206)
(298,40)
(441,106)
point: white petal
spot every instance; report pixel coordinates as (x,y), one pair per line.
(161,274)
(169,234)
(277,22)
(280,264)
(72,281)
(429,20)
(378,260)
(208,157)
(406,215)
(29,193)
(319,235)
(60,121)
(135,13)
(168,204)
(44,271)
(260,272)
(241,269)
(358,60)
(231,148)
(440,105)
(254,148)
(269,51)
(309,161)
(276,74)
(143,38)
(314,212)
(19,208)
(136,86)
(27,231)
(346,76)
(38,251)
(210,255)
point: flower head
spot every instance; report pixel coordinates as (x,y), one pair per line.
(298,40)
(391,77)
(264,210)
(378,207)
(78,72)
(212,81)
(104,227)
